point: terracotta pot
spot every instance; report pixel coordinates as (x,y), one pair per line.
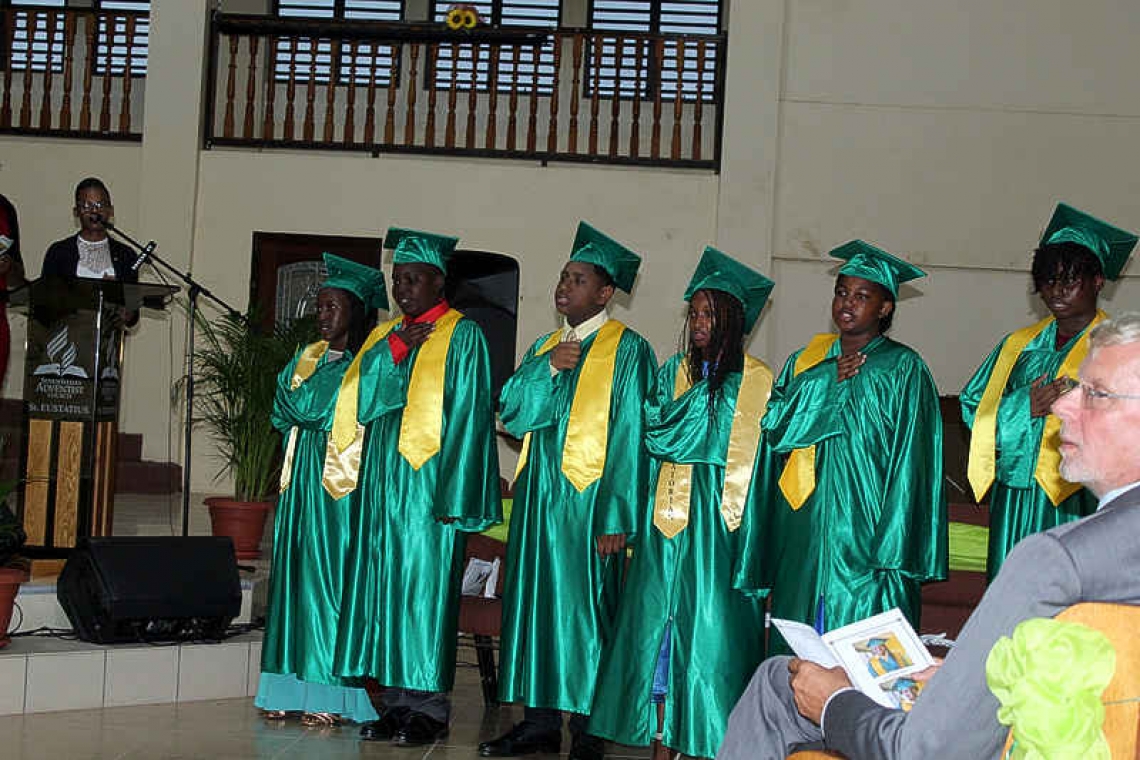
(243,521)
(10,580)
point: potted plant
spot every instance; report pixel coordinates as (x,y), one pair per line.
(12,571)
(236,365)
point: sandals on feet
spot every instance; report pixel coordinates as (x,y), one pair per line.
(320,719)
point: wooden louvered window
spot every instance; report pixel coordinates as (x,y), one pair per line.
(38,42)
(308,58)
(685,17)
(126,41)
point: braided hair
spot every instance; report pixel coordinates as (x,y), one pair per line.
(725,352)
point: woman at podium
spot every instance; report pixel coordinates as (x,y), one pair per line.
(91,252)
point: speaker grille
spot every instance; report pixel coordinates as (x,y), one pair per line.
(150,588)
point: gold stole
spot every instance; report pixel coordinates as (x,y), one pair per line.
(674,481)
(797,481)
(422,423)
(587,431)
(306,365)
(983,439)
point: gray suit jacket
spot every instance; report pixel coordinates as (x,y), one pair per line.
(1096,559)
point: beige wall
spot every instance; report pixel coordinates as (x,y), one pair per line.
(943,131)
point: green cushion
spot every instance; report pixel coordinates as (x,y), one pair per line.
(499,532)
(968,547)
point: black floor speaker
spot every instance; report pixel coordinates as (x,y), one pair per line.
(150,588)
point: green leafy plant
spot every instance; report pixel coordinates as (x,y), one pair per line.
(236,363)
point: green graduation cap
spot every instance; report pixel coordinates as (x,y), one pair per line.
(594,247)
(719,271)
(364,282)
(415,247)
(1109,244)
(874,264)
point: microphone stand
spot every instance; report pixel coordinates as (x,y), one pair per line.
(193,290)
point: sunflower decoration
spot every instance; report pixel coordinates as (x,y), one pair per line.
(462,16)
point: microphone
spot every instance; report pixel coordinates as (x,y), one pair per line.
(100,219)
(144,254)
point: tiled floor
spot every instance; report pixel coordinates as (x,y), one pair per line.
(232,729)
(229,729)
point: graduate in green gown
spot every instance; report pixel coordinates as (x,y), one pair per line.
(576,400)
(311,534)
(855,521)
(687,642)
(1014,443)
(428,473)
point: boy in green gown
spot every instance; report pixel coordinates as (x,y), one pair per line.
(576,401)
(311,533)
(428,473)
(855,521)
(686,642)
(1014,443)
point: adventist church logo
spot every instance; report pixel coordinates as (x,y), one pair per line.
(61,354)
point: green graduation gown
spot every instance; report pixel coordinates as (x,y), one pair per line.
(1018,505)
(401,602)
(311,534)
(717,632)
(560,596)
(874,528)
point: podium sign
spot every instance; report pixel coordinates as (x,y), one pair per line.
(73,360)
(61,381)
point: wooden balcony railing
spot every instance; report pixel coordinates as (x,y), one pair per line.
(72,72)
(539,94)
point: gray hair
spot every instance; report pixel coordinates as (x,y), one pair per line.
(1119,330)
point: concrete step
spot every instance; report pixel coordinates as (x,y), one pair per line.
(47,674)
(130,476)
(133,474)
(130,445)
(147,477)
(44,673)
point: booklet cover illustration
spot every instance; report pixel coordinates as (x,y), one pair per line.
(880,654)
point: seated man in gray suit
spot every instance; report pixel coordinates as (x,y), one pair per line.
(792,704)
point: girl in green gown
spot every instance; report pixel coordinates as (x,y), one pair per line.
(854,521)
(1007,401)
(686,642)
(311,530)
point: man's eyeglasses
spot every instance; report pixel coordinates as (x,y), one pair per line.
(1090,396)
(91,206)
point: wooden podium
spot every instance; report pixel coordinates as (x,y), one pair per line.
(71,407)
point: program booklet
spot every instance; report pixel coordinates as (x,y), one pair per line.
(879,653)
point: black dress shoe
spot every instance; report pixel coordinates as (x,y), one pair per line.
(419,729)
(587,747)
(523,739)
(385,728)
